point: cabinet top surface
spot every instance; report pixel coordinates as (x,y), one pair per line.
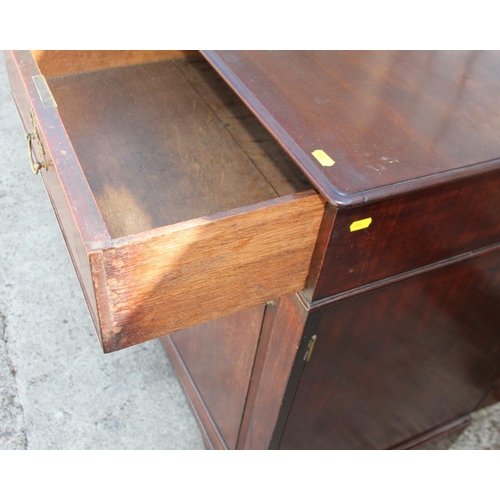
(392,121)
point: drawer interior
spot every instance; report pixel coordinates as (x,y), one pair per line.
(165,141)
(194,211)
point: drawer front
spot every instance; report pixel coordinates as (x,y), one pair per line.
(183,275)
(145,285)
(409,232)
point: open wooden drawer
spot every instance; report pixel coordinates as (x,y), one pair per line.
(177,207)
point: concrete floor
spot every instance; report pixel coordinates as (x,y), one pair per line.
(57,389)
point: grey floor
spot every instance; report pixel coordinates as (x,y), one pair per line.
(57,389)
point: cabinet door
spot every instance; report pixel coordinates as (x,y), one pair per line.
(398,361)
(214,363)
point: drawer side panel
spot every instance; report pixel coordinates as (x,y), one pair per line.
(78,231)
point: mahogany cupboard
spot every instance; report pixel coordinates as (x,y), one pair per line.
(314,235)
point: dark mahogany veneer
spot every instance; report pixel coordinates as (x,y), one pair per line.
(404,315)
(354,303)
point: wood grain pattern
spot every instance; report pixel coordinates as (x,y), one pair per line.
(391,364)
(219,357)
(393,121)
(410,232)
(395,361)
(153,151)
(79,219)
(172,277)
(212,438)
(195,271)
(281,336)
(267,156)
(318,268)
(66,62)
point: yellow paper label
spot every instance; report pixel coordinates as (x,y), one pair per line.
(323,158)
(360,224)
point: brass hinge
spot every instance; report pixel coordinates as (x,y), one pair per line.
(310,348)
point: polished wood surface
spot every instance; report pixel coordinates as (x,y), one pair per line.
(393,363)
(212,438)
(409,232)
(393,121)
(179,208)
(406,310)
(219,356)
(269,397)
(438,439)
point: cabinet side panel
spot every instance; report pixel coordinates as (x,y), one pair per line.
(219,356)
(409,232)
(391,364)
